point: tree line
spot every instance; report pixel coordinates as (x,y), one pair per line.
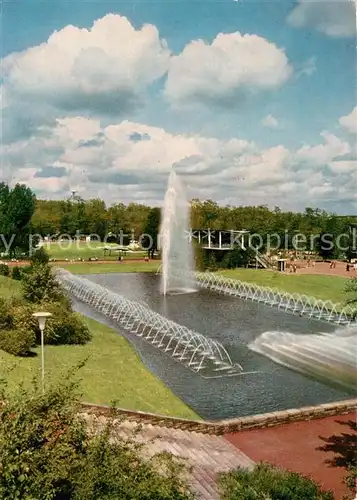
(21,214)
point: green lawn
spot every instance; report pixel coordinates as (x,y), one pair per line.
(115,267)
(9,287)
(113,370)
(84,250)
(319,286)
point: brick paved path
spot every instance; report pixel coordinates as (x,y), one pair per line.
(207,454)
(324,268)
(295,447)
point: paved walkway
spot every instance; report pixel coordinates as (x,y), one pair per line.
(207,455)
(324,268)
(296,446)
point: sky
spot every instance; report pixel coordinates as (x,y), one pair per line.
(251,102)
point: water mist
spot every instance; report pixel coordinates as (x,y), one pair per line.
(177,253)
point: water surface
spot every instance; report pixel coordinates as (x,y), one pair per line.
(235,323)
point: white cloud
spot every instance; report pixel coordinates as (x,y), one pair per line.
(349,122)
(270,122)
(130,162)
(232,66)
(324,153)
(343,166)
(101,69)
(332,18)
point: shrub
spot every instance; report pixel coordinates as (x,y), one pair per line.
(40,284)
(39,257)
(17,341)
(46,453)
(64,327)
(268,482)
(26,270)
(17,335)
(6,319)
(16,273)
(351,479)
(4,270)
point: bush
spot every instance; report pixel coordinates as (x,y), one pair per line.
(40,285)
(16,273)
(64,327)
(46,453)
(17,334)
(351,479)
(6,319)
(268,482)
(17,341)
(40,257)
(4,270)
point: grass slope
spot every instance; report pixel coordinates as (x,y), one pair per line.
(9,288)
(319,286)
(113,371)
(84,250)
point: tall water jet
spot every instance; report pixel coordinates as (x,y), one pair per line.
(176,248)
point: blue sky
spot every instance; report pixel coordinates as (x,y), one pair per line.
(305,49)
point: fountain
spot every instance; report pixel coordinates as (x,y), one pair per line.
(329,356)
(177,254)
(201,354)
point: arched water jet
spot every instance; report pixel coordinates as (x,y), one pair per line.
(201,354)
(303,305)
(329,356)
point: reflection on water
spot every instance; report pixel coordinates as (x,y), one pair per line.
(235,323)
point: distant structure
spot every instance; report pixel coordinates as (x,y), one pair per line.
(218,239)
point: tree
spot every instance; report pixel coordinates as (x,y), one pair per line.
(17,207)
(151,231)
(46,220)
(96,217)
(39,285)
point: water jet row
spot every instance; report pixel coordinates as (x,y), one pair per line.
(202,355)
(303,305)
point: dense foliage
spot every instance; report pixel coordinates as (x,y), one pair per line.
(17,207)
(19,331)
(268,482)
(46,453)
(40,285)
(21,214)
(150,231)
(215,259)
(17,335)
(4,270)
(40,256)
(122,222)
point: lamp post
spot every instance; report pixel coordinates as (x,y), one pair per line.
(42,316)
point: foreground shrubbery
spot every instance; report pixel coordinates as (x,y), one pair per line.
(266,482)
(47,454)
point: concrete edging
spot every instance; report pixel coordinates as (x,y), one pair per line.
(226,426)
